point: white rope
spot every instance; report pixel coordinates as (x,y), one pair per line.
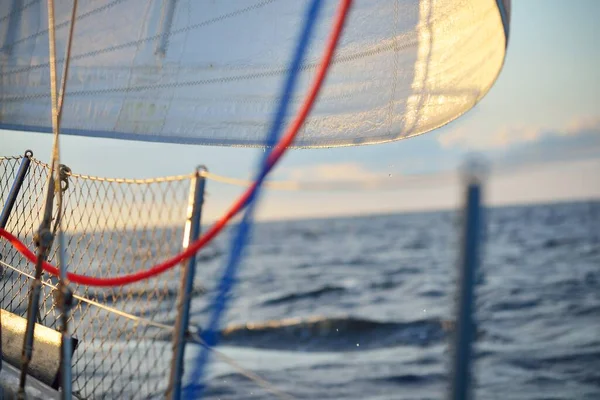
(118,180)
(61,94)
(389,183)
(139,320)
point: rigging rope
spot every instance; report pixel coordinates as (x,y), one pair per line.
(239,240)
(374,183)
(238,205)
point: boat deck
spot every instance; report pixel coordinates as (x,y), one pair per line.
(9,385)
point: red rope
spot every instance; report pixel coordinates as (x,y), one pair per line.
(275,156)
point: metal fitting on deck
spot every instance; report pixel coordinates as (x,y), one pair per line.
(63,295)
(64,173)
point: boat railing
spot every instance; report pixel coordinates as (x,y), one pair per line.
(131,338)
(112,227)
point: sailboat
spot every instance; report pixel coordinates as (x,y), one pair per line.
(107,316)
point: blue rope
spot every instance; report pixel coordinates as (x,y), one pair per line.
(239,240)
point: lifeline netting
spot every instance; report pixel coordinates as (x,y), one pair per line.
(111,227)
(207,72)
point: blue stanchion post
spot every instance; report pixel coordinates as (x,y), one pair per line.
(9,205)
(15,188)
(465,329)
(192,232)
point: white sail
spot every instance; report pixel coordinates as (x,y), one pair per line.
(209,72)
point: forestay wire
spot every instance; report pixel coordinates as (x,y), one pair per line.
(210,336)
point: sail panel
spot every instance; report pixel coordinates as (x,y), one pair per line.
(209,72)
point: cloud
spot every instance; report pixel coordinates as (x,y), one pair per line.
(354,177)
(516,136)
(590,123)
(502,138)
(348,171)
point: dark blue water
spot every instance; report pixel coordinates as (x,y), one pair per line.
(357,308)
(362,308)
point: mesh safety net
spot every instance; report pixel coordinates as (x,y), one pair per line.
(111,227)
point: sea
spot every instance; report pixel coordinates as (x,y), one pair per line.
(364,307)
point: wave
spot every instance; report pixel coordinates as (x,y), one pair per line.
(559,242)
(384,285)
(407,379)
(362,260)
(581,310)
(417,244)
(433,293)
(311,294)
(111,297)
(206,256)
(512,305)
(580,361)
(334,334)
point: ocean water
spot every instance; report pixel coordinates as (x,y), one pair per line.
(362,308)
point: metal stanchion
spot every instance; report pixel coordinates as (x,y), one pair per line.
(192,232)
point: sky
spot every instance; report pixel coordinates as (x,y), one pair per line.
(539,127)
